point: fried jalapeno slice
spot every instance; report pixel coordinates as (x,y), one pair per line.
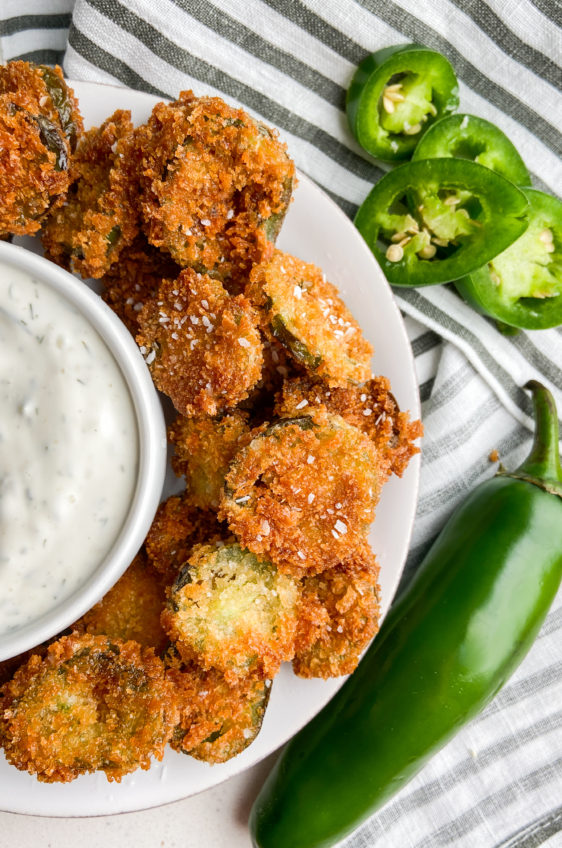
(100,216)
(177,527)
(307,316)
(303,492)
(203,450)
(134,280)
(203,346)
(92,704)
(215,185)
(371,408)
(131,609)
(338,616)
(35,146)
(232,611)
(218,718)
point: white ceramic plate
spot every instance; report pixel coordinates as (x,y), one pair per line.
(317,231)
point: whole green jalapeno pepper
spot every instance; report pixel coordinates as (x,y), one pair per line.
(436,220)
(475,139)
(522,286)
(395,95)
(445,649)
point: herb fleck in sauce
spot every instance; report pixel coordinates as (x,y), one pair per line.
(68,449)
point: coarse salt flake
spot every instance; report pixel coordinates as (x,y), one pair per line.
(302,404)
(243,342)
(340,526)
(310,459)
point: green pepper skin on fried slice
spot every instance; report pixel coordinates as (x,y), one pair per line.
(436,220)
(447,646)
(522,287)
(475,139)
(395,95)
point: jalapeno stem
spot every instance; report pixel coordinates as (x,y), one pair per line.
(542,466)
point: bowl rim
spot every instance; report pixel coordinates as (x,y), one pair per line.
(151,452)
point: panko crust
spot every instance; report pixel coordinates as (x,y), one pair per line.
(134,280)
(218,718)
(303,492)
(232,611)
(306,314)
(35,145)
(100,216)
(177,527)
(202,345)
(43,89)
(91,704)
(338,616)
(203,450)
(371,407)
(215,185)
(131,609)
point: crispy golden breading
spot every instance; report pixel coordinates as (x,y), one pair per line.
(90,704)
(131,609)
(39,123)
(215,185)
(232,611)
(176,528)
(371,407)
(202,345)
(278,366)
(9,667)
(42,89)
(218,718)
(303,492)
(338,616)
(135,278)
(203,450)
(100,216)
(306,314)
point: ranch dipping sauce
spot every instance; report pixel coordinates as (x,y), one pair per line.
(68,449)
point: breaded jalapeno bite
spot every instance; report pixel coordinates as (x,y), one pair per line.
(203,346)
(100,215)
(177,527)
(303,492)
(371,407)
(131,609)
(215,185)
(92,704)
(203,450)
(338,616)
(306,314)
(134,280)
(218,718)
(232,611)
(39,125)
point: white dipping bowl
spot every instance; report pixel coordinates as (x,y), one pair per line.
(151,460)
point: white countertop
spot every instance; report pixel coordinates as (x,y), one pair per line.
(214,819)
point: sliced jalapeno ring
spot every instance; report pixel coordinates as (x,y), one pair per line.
(395,95)
(436,220)
(469,137)
(233,611)
(522,287)
(62,101)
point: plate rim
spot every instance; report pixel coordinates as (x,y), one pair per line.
(125,806)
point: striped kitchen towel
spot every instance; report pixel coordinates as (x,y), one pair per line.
(499,783)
